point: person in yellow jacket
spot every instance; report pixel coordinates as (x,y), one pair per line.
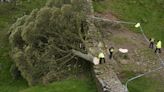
(101,58)
(158,46)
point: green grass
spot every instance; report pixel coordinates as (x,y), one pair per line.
(148,12)
(146,84)
(65,86)
(7,84)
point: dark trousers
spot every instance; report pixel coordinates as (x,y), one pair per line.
(151,45)
(110,55)
(102,60)
(158,50)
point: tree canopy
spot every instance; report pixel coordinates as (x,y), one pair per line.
(42,41)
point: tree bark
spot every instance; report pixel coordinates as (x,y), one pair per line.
(87,57)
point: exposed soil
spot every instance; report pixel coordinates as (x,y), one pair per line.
(140,58)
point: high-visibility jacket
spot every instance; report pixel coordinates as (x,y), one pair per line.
(159,44)
(101,55)
(111,50)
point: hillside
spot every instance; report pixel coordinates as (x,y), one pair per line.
(150,15)
(140,58)
(147,12)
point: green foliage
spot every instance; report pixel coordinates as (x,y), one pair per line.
(15,72)
(9,12)
(42,41)
(7,84)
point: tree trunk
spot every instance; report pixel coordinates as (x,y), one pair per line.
(87,57)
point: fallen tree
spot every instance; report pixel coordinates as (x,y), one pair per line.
(42,42)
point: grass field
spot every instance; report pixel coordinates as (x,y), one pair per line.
(146,84)
(9,12)
(65,86)
(148,12)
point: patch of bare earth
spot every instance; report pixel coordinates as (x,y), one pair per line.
(140,58)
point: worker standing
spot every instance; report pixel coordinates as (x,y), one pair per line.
(151,45)
(158,46)
(111,50)
(101,58)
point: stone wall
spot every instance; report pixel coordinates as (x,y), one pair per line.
(106,79)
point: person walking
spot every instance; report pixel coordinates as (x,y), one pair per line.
(101,58)
(111,50)
(151,45)
(158,47)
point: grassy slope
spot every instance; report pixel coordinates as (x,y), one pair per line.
(65,86)
(149,83)
(150,14)
(6,82)
(8,15)
(146,84)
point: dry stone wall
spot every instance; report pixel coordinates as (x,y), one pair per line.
(106,79)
